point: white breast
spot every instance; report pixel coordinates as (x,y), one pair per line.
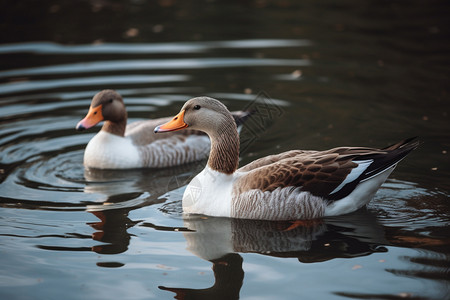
(109,151)
(209,193)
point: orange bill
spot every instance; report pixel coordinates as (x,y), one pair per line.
(93,117)
(176,123)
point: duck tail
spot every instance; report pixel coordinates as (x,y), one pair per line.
(374,163)
(410,143)
(241,116)
(395,153)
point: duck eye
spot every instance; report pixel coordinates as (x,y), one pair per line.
(110,100)
(197,107)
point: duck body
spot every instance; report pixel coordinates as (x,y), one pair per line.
(291,185)
(122,146)
(109,151)
(216,194)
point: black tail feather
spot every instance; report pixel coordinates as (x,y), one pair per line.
(381,162)
(241,116)
(395,153)
(410,142)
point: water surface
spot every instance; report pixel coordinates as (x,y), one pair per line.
(329,74)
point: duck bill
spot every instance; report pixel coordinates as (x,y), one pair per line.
(93,117)
(176,123)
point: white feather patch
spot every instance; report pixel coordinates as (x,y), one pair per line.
(354,173)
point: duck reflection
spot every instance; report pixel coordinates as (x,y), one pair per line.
(111,231)
(229,276)
(220,239)
(354,235)
(122,191)
(118,186)
(119,192)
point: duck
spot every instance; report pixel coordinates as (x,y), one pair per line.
(119,145)
(293,185)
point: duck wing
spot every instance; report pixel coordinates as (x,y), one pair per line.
(331,174)
(271,159)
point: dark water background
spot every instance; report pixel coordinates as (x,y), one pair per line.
(331,73)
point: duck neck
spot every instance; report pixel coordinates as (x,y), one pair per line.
(117,127)
(224,155)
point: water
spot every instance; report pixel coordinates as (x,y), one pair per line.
(347,73)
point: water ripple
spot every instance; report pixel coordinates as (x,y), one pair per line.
(155,64)
(38,85)
(156,48)
(406,205)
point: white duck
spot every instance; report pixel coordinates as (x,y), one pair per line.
(122,146)
(292,185)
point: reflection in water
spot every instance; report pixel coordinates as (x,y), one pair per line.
(122,191)
(220,239)
(310,241)
(122,195)
(228,275)
(112,231)
(131,189)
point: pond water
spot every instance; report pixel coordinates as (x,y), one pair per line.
(359,73)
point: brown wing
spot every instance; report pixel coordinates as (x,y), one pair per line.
(317,172)
(264,161)
(322,172)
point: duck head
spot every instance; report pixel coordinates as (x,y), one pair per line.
(106,105)
(202,113)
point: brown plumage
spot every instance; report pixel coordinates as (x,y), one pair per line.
(318,172)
